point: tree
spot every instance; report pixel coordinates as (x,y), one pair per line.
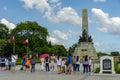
(115,53)
(72,48)
(101,54)
(4,31)
(36,35)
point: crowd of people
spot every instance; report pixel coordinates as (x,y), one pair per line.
(64,64)
(8,63)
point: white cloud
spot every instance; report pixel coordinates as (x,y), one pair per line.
(99,0)
(98,44)
(40,5)
(8,24)
(71,33)
(105,47)
(54,1)
(57,37)
(102,47)
(60,35)
(53,40)
(66,15)
(107,24)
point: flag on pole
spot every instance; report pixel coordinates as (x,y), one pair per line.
(25,41)
(12,38)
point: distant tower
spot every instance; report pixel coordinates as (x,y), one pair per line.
(85,45)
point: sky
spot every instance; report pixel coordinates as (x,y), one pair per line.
(63,19)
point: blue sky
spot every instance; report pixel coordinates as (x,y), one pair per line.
(63,18)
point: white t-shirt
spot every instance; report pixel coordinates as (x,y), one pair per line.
(14,58)
(90,62)
(59,62)
(63,63)
(78,62)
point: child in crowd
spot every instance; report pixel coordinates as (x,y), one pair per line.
(23,64)
(28,63)
(9,64)
(63,65)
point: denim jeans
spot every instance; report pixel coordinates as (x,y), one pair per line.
(74,67)
(77,67)
(47,67)
(33,68)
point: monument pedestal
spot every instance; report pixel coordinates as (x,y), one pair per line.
(85,48)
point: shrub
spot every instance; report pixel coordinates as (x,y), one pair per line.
(117,69)
(97,70)
(19,62)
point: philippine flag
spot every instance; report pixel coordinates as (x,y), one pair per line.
(12,38)
(25,41)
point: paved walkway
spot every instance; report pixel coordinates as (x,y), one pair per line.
(52,75)
(103,77)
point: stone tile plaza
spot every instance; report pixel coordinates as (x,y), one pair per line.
(52,75)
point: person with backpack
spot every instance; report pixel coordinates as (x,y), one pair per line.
(28,64)
(74,64)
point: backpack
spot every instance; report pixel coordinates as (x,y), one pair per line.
(74,61)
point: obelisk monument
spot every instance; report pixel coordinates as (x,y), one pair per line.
(85,20)
(85,44)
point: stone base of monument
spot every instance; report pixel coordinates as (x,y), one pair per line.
(107,65)
(85,48)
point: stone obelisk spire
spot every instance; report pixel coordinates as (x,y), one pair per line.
(85,25)
(84,20)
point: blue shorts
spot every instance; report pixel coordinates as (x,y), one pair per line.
(13,64)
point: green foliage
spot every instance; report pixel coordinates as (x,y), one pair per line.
(37,40)
(117,68)
(36,35)
(3,45)
(97,70)
(115,53)
(72,48)
(4,31)
(101,54)
(19,61)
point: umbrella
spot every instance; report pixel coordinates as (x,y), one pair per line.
(44,55)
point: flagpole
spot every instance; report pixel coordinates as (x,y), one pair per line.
(27,50)
(14,46)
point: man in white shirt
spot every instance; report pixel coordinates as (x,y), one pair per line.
(52,60)
(13,60)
